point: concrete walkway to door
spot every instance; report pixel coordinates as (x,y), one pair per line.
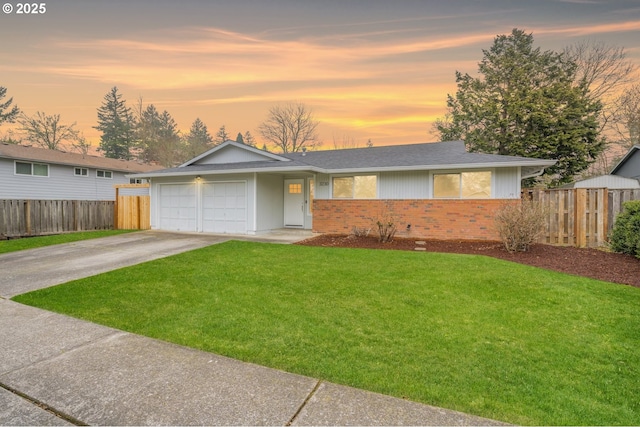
(57,370)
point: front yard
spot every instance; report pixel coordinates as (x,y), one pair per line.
(471,333)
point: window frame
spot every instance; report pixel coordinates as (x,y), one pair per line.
(104,174)
(32,166)
(492,183)
(353,186)
(80,168)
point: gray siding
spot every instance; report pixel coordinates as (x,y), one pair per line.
(506,183)
(631,168)
(404,185)
(61,184)
(608,181)
(323,186)
(270,202)
(231,154)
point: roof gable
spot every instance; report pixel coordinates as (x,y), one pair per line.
(629,165)
(231,152)
(33,154)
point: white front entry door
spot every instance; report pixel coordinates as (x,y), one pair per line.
(294,202)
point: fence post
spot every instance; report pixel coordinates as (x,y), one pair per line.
(581,217)
(27,216)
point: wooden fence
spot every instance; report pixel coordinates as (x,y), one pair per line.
(132,212)
(38,217)
(580,217)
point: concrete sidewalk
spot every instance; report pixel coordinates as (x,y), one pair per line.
(56,370)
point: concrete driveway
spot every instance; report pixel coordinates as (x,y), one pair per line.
(25,271)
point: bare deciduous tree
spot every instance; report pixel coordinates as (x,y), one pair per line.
(626,121)
(344,143)
(290,127)
(604,68)
(47,131)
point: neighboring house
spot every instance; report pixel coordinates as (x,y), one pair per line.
(41,174)
(625,175)
(431,190)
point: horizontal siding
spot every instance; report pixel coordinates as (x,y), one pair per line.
(61,184)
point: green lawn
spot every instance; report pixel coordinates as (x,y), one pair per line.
(40,241)
(470,333)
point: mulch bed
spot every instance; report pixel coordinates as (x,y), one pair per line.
(593,263)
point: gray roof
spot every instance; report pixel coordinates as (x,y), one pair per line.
(425,156)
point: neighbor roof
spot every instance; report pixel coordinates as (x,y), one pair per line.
(440,155)
(33,154)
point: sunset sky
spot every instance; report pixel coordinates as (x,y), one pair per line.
(378,70)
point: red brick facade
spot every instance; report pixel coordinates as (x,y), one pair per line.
(429,218)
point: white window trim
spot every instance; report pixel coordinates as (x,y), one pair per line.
(309,202)
(450,171)
(104,173)
(15,169)
(75,169)
(347,175)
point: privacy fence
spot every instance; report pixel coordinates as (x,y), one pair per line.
(582,217)
(39,217)
(21,218)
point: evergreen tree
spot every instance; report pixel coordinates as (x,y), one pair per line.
(116,123)
(198,140)
(11,115)
(157,138)
(249,139)
(221,136)
(527,103)
(239,138)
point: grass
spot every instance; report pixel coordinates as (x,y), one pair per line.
(41,241)
(475,334)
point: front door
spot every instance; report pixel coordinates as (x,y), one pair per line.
(294,202)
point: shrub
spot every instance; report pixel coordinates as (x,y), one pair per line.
(520,224)
(625,236)
(361,231)
(386,228)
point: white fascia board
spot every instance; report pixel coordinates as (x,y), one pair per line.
(228,171)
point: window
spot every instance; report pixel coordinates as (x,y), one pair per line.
(312,191)
(137,180)
(355,187)
(35,169)
(103,174)
(81,172)
(465,185)
(295,188)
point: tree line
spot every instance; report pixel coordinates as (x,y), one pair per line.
(568,106)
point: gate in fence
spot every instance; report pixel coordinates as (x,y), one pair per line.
(132,208)
(580,217)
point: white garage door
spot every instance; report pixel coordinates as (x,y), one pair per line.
(224,207)
(178,207)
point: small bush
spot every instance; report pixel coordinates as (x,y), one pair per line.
(520,224)
(361,231)
(625,236)
(386,228)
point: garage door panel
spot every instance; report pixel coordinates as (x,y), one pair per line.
(224,207)
(178,207)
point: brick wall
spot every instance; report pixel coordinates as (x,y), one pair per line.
(433,219)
